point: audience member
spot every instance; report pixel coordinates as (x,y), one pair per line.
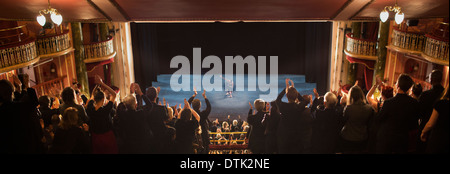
(69,137)
(436,131)
(185,129)
(357,117)
(256,140)
(426,102)
(338,122)
(398,116)
(68,98)
(294,129)
(21,128)
(196,105)
(416,91)
(155,117)
(134,132)
(270,122)
(101,128)
(326,126)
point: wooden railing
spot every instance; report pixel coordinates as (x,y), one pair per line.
(15,38)
(17,54)
(408,40)
(99,49)
(436,48)
(53,43)
(45,87)
(361,46)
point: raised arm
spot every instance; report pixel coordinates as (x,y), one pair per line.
(104,86)
(369,98)
(208,105)
(187,106)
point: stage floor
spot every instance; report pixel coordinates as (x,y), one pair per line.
(221,104)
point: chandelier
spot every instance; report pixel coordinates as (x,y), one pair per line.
(54,15)
(399,15)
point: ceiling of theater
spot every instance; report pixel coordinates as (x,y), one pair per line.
(220,10)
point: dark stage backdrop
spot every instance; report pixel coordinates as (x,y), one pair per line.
(302,48)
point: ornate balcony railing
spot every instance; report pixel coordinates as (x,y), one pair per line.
(45,87)
(99,51)
(436,48)
(361,48)
(408,40)
(17,56)
(53,44)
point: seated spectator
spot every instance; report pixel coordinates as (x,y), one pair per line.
(235,126)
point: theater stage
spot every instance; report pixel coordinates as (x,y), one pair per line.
(221,104)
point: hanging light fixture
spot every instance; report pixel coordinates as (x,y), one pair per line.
(54,16)
(399,15)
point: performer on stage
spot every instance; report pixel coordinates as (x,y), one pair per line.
(230,85)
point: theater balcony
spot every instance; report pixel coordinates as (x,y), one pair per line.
(54,45)
(17,49)
(427,47)
(365,49)
(99,51)
(363,52)
(417,51)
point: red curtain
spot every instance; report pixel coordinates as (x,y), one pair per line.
(369,66)
(91,66)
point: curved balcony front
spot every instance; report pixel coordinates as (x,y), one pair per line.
(436,50)
(19,55)
(427,47)
(360,48)
(99,51)
(54,45)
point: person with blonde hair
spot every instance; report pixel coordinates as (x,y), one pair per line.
(327,124)
(69,137)
(357,119)
(256,140)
